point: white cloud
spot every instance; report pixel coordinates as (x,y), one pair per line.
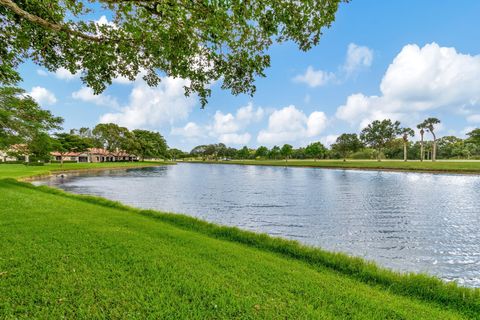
(224,123)
(42,96)
(122,80)
(314,78)
(64,74)
(86,94)
(226,128)
(150,107)
(248,114)
(328,140)
(229,123)
(474,118)
(103,21)
(235,138)
(316,123)
(357,57)
(418,80)
(42,72)
(191,130)
(290,124)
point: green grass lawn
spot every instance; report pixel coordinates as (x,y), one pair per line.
(19,171)
(70,256)
(438,166)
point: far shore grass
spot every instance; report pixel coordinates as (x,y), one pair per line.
(83,257)
(21,171)
(447,166)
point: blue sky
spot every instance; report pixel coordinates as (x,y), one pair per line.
(405,60)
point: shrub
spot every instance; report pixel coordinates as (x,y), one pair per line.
(364,154)
(11,162)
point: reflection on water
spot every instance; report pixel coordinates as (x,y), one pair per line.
(406,221)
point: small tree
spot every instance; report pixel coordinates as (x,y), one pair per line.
(379,133)
(474,136)
(40,147)
(286,151)
(315,150)
(347,143)
(175,154)
(243,153)
(66,142)
(274,152)
(113,137)
(261,152)
(406,132)
(429,125)
(422,146)
(21,118)
(149,144)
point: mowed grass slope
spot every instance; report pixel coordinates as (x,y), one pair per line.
(427,166)
(70,256)
(19,171)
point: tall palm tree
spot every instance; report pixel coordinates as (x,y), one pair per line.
(422,132)
(406,132)
(429,124)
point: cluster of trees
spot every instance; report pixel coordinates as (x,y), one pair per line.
(112,137)
(25,129)
(380,139)
(315,150)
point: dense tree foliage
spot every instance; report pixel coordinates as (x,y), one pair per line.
(315,150)
(379,133)
(286,151)
(40,146)
(148,144)
(347,143)
(474,136)
(261,152)
(22,119)
(66,142)
(203,41)
(112,137)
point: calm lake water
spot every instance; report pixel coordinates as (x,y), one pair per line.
(405,221)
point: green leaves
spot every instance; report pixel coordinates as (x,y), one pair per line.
(346,143)
(21,118)
(203,41)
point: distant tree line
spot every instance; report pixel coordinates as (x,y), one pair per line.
(26,130)
(381,139)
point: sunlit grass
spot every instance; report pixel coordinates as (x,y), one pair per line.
(438,166)
(22,171)
(73,256)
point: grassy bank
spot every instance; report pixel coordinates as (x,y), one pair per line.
(426,166)
(20,171)
(65,255)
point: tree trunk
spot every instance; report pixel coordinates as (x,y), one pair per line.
(421,148)
(378,155)
(405,151)
(434,149)
(61,161)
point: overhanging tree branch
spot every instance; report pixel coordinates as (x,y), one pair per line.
(47,24)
